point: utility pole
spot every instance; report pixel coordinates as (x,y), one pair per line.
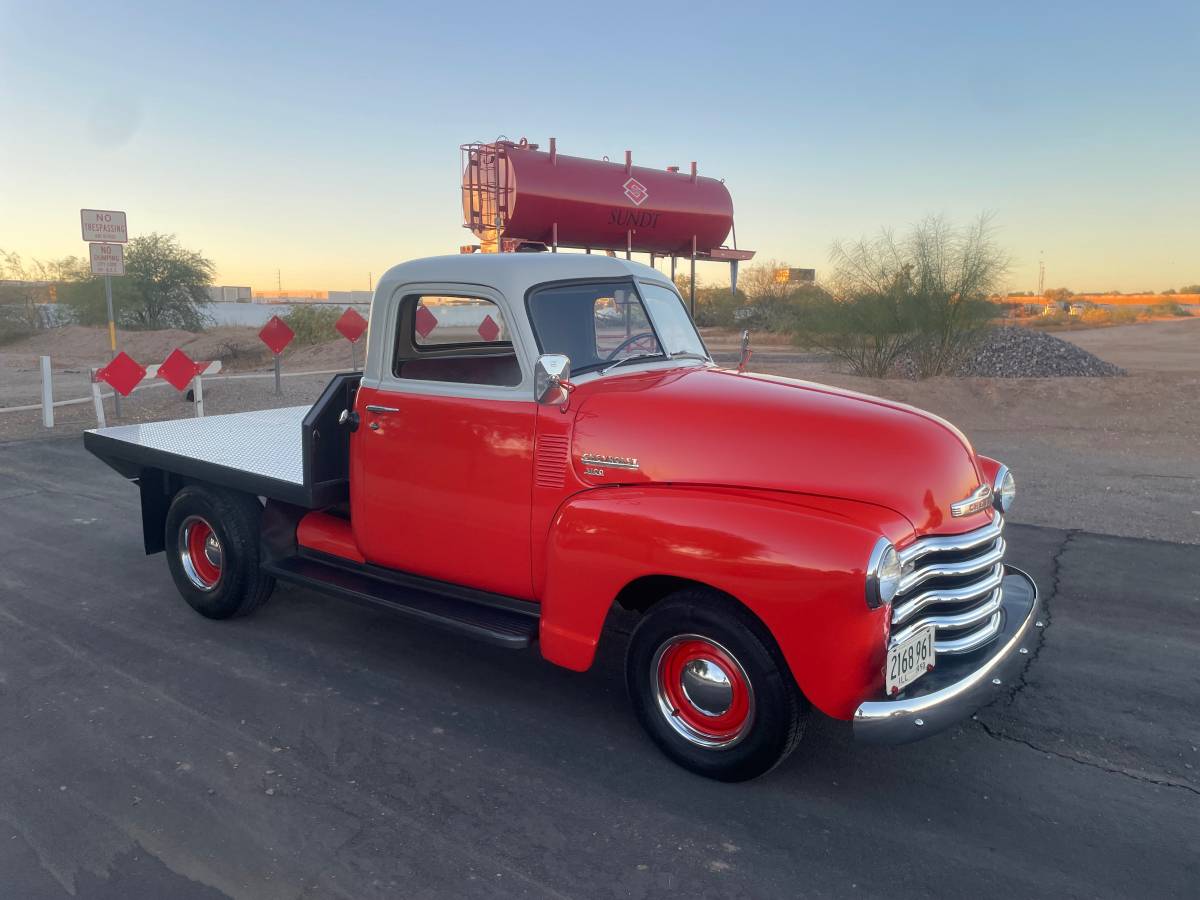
(1041,275)
(278,281)
(370,282)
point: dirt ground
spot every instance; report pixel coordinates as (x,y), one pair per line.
(1109,455)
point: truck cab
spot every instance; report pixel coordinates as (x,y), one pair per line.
(536,439)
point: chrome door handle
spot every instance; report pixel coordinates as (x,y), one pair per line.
(371,407)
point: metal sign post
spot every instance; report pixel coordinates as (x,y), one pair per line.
(351,326)
(112,338)
(276,335)
(106,230)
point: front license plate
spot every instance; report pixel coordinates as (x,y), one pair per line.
(909,660)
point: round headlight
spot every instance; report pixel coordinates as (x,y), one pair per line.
(883,574)
(1004,489)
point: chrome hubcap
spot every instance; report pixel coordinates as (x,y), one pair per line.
(707,686)
(702,691)
(212,550)
(200,553)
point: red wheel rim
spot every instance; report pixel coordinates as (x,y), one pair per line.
(200,553)
(703,691)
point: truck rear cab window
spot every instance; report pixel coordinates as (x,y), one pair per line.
(456,339)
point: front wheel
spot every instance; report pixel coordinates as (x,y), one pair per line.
(710,688)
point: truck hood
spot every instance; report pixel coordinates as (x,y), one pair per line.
(708,426)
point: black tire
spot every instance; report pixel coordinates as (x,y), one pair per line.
(234,585)
(702,627)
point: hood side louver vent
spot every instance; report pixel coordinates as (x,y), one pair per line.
(551,460)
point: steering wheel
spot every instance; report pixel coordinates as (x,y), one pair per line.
(632,339)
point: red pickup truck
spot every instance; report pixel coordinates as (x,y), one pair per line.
(537,439)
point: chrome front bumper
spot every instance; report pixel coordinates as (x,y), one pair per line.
(958,686)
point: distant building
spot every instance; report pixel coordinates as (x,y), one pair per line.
(225,293)
(350,296)
(302,295)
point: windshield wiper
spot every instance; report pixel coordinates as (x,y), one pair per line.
(635,358)
(683,354)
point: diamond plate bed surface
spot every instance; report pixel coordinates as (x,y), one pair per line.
(266,442)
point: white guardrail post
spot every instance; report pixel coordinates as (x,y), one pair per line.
(198,385)
(47,394)
(198,393)
(98,401)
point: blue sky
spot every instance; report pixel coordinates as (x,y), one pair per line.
(322,139)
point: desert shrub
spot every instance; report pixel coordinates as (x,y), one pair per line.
(1124,315)
(1169,308)
(1096,316)
(234,353)
(789,312)
(867,331)
(26,292)
(313,324)
(15,324)
(923,296)
(1056,318)
(715,306)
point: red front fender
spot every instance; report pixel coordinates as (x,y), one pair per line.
(797,562)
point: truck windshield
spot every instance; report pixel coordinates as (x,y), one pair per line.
(671,321)
(599,323)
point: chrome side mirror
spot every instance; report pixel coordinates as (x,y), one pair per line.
(551,379)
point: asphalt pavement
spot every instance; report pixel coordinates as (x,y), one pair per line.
(319,749)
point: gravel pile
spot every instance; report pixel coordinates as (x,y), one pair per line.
(1013,352)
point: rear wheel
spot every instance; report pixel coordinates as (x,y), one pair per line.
(710,688)
(212,551)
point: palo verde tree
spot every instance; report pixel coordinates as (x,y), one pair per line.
(923,295)
(164,286)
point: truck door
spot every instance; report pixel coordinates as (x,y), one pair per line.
(442,462)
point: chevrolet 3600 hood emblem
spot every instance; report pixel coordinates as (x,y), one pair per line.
(610,462)
(980,499)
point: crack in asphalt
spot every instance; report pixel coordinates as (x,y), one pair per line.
(1145,779)
(1045,616)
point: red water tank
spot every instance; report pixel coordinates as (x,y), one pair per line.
(586,203)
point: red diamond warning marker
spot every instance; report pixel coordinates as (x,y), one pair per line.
(488,329)
(123,374)
(351,325)
(276,334)
(178,369)
(426,321)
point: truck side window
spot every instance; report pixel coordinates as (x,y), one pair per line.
(455,339)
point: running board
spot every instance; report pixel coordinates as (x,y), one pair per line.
(491,618)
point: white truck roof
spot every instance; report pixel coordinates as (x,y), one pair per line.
(513,273)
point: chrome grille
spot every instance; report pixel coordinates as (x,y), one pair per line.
(953,583)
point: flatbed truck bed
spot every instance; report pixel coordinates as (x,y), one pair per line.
(295,454)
